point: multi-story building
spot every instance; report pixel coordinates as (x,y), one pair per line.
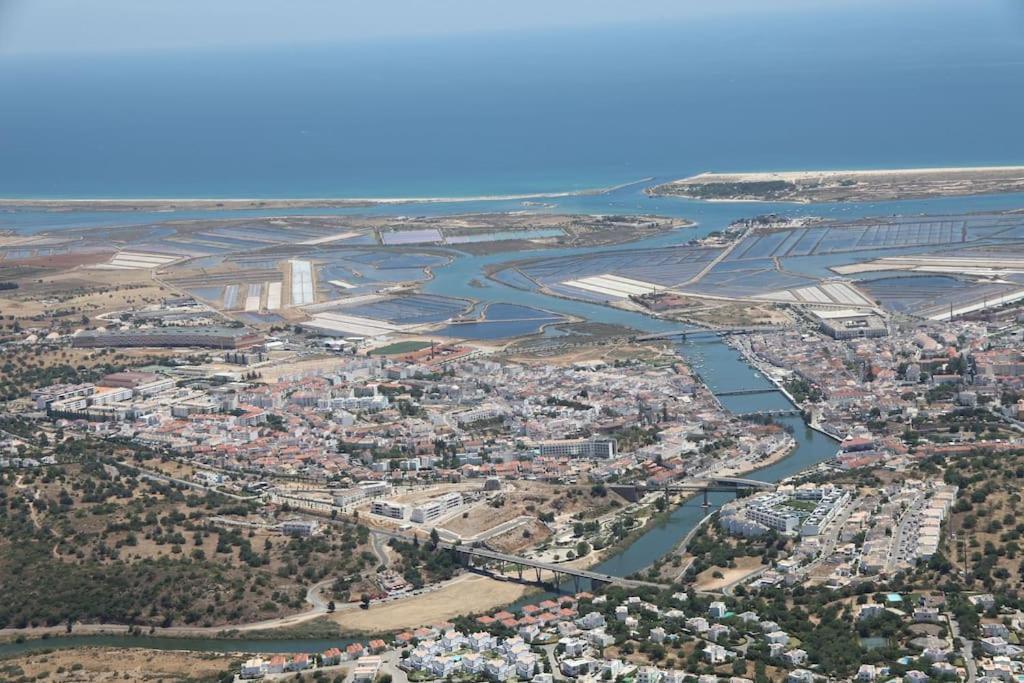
(299,527)
(578,448)
(388,508)
(60,392)
(781,520)
(436,508)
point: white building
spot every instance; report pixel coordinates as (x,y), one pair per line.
(647,674)
(388,508)
(300,527)
(579,666)
(579,448)
(437,508)
(716,654)
(254,668)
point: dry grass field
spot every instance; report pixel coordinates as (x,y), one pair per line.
(117,664)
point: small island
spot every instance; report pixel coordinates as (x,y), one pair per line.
(846,186)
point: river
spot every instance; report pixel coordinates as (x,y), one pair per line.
(849,85)
(721,367)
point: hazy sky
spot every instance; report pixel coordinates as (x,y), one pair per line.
(30,27)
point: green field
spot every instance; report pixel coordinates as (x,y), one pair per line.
(399,348)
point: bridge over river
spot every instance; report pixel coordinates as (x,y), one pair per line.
(711,331)
(520,565)
(478,556)
(472,554)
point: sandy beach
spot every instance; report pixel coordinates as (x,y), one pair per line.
(236,203)
(763,176)
(846,185)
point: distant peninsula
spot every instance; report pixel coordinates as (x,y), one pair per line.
(268,203)
(846,186)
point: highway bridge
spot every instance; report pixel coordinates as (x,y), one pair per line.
(708,485)
(721,484)
(716,331)
(471,554)
(704,485)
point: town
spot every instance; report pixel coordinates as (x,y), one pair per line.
(561,462)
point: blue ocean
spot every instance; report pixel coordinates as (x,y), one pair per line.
(843,85)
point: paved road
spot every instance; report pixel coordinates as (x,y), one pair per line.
(497,530)
(901,552)
(314,597)
(966,648)
(831,538)
(379,543)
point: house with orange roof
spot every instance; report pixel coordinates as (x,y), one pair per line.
(299,663)
(405,637)
(355,650)
(276,665)
(531,609)
(502,615)
(377,645)
(509,623)
(486,620)
(331,657)
(548,604)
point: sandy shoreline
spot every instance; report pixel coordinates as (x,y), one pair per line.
(208,203)
(825,186)
(761,176)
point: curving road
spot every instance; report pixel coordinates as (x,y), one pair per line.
(379,544)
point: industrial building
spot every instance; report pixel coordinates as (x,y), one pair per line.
(851,324)
(210,337)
